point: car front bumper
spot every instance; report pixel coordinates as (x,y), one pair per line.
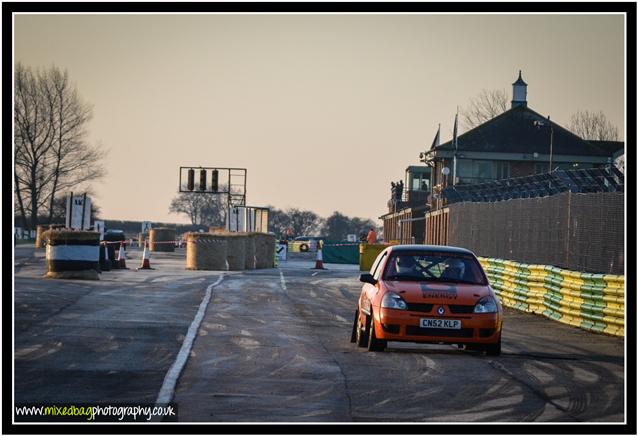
(398,325)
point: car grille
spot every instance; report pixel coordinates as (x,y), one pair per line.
(420,307)
(448,333)
(458,308)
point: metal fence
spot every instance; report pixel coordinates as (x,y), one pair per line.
(580,232)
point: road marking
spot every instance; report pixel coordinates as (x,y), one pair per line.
(315,273)
(170,380)
(283,281)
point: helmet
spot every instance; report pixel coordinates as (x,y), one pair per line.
(455,268)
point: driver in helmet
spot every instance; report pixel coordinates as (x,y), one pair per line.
(455,269)
(407,265)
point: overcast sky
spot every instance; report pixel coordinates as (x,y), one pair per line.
(324,111)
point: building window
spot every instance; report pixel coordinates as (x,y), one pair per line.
(502,170)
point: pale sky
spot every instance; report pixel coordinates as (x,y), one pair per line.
(324,111)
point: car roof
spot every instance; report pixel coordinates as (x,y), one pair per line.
(437,248)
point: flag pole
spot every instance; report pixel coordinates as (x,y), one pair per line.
(456,145)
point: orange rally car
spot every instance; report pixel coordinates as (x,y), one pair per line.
(431,294)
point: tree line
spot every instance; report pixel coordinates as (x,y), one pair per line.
(52,152)
(211,210)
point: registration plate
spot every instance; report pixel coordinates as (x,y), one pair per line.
(440,323)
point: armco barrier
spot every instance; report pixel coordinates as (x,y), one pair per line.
(593,302)
(368,253)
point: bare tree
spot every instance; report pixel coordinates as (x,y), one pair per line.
(51,151)
(201,209)
(302,222)
(33,139)
(593,126)
(484,107)
(337,226)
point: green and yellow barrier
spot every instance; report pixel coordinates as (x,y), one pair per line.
(594,302)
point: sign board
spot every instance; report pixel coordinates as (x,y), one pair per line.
(78,211)
(281,251)
(146,226)
(247,219)
(352,238)
(99,227)
(236,219)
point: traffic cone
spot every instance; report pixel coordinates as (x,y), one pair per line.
(319,261)
(121,257)
(146,263)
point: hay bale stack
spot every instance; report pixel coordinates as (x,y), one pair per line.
(205,251)
(217,230)
(265,250)
(72,254)
(249,259)
(162,239)
(236,255)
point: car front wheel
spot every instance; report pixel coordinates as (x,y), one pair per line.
(494,349)
(375,344)
(362,331)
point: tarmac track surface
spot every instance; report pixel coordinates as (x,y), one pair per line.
(273,346)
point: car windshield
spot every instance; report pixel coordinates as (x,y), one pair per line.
(434,267)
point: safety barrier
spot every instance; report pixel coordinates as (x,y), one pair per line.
(593,302)
(368,253)
(340,252)
(72,254)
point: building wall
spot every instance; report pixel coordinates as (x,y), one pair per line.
(581,232)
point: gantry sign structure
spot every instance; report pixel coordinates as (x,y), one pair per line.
(206,180)
(230,182)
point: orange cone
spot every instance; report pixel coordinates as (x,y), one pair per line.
(146,263)
(319,261)
(121,257)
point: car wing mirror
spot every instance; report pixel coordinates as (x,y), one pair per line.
(367,278)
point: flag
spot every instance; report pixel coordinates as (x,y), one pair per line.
(456,128)
(437,139)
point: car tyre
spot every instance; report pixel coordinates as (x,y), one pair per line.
(494,349)
(353,336)
(361,331)
(375,344)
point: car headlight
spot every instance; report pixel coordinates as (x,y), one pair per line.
(393,301)
(486,305)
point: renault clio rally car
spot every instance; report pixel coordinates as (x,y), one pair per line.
(429,294)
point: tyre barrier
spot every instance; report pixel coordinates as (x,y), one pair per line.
(593,302)
(157,237)
(72,254)
(303,247)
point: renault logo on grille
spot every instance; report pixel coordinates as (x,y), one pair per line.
(440,310)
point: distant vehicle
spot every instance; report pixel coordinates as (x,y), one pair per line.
(429,294)
(115,236)
(308,243)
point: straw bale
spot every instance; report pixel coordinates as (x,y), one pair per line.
(39,240)
(205,251)
(236,255)
(264,250)
(86,274)
(250,261)
(162,239)
(63,236)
